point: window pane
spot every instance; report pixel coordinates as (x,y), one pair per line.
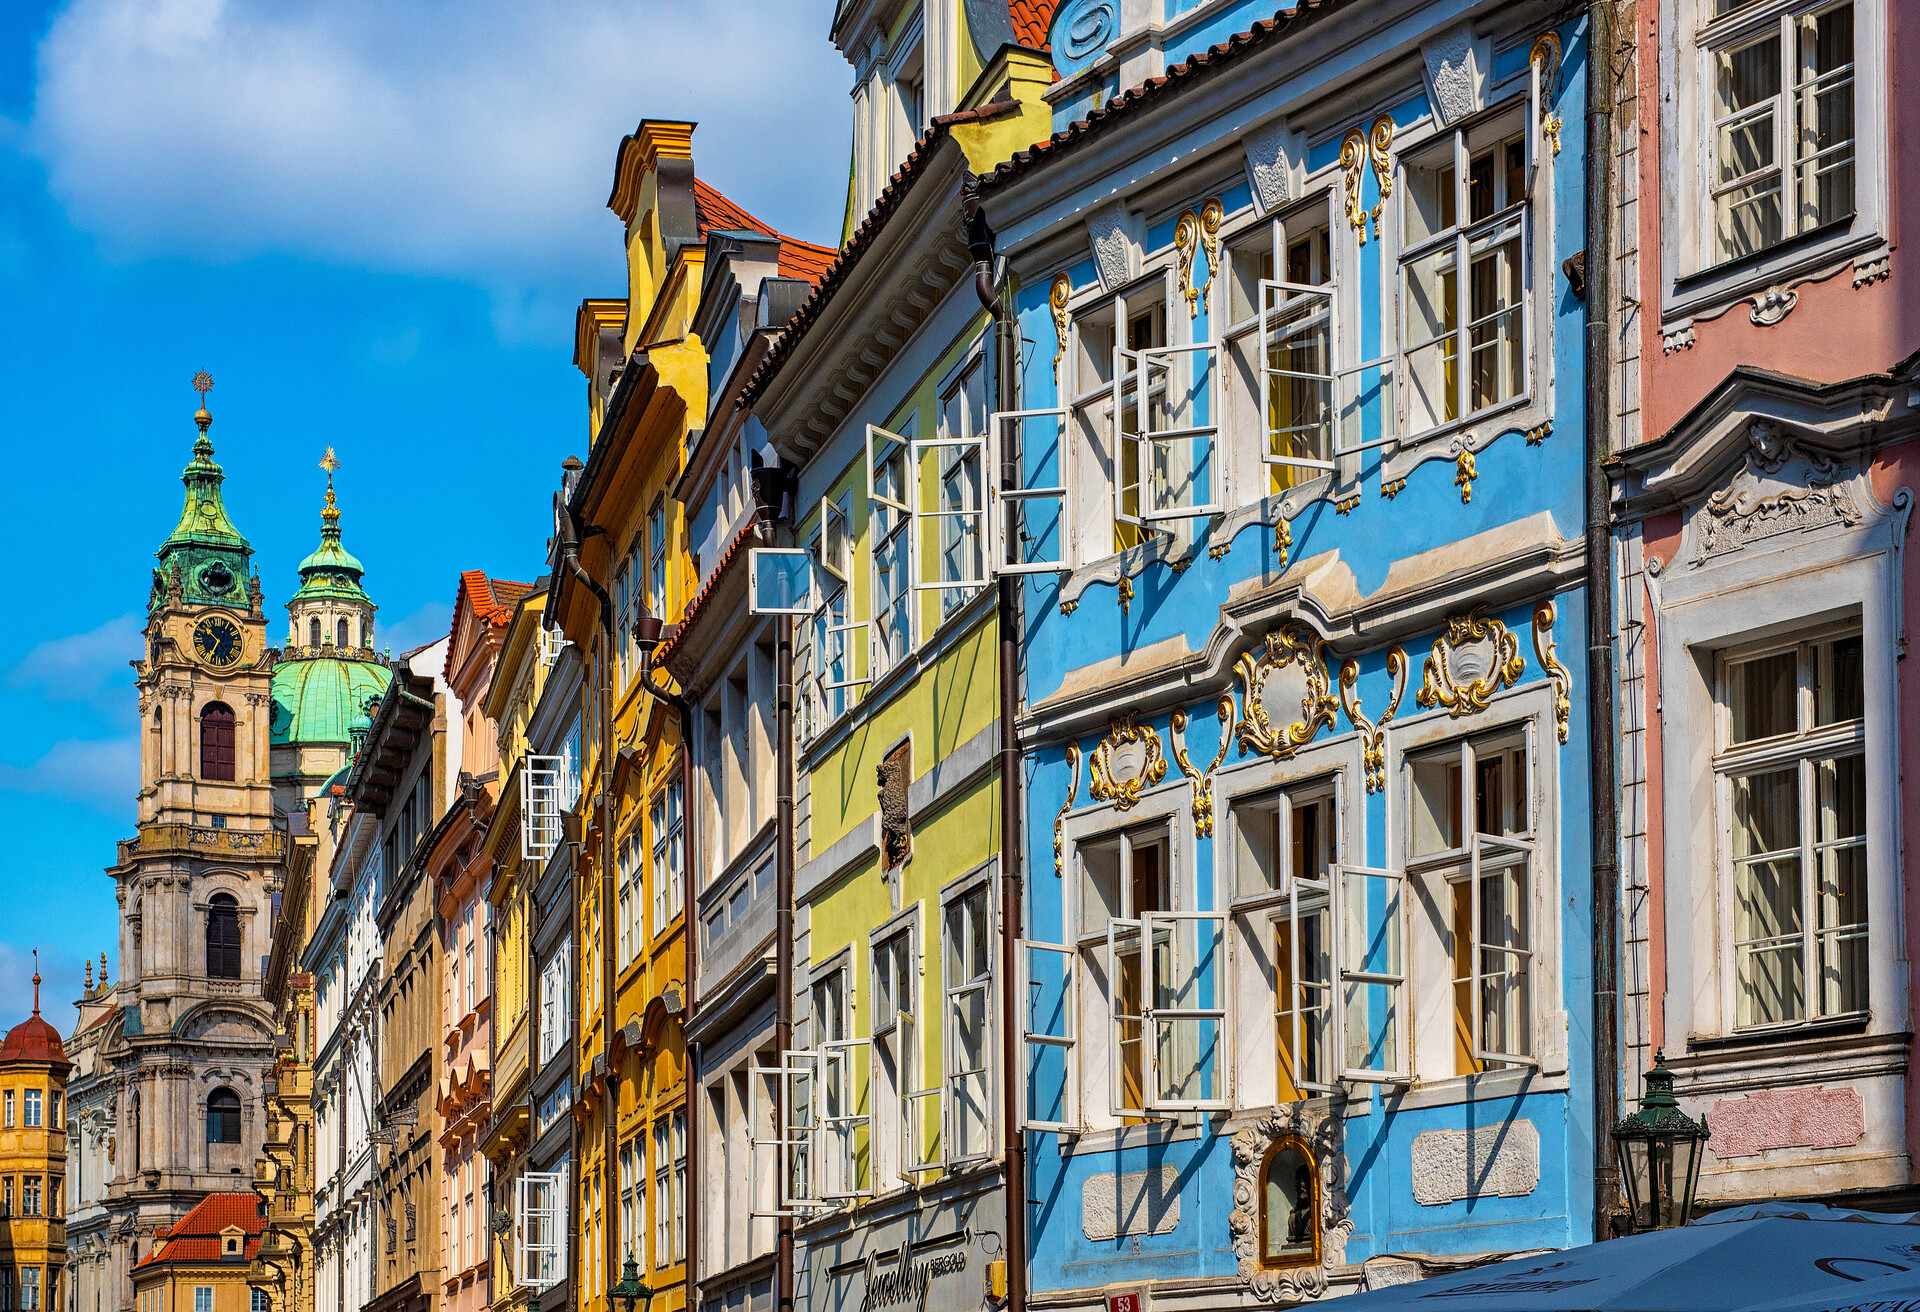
(1494,313)
(1768,941)
(1313,838)
(1761,696)
(1304,1001)
(1434,797)
(1840,788)
(1766,813)
(1432,309)
(1839,689)
(1252,264)
(1825,110)
(1257,859)
(1746,174)
(1430,202)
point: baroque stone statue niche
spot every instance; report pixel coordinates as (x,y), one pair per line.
(1290,1218)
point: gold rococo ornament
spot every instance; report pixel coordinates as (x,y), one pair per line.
(1203,779)
(1126,763)
(1289,674)
(1473,660)
(1373,733)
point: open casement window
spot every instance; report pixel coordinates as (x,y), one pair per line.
(1316,410)
(1370,914)
(967,1125)
(791,1153)
(1304,1011)
(1167,399)
(1791,778)
(1121,399)
(921,1152)
(540,1229)
(889,531)
(1050,1066)
(1029,533)
(1470,839)
(895,1096)
(1493,954)
(541,785)
(1781,122)
(839,657)
(1466,277)
(780,581)
(1166,999)
(843,1128)
(951,537)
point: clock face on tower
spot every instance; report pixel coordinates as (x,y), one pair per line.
(217,641)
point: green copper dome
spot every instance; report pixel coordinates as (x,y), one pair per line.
(318,701)
(330,571)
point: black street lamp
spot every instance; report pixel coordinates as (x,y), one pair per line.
(630,1290)
(1660,1148)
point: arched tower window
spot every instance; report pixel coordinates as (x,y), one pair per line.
(313,632)
(1289,1206)
(340,633)
(223,1116)
(216,741)
(223,937)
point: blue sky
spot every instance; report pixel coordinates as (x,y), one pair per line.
(371,222)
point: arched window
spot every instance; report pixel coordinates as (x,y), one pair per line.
(223,937)
(216,741)
(223,1116)
(313,632)
(340,634)
(1289,1206)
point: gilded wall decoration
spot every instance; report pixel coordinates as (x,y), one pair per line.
(1126,763)
(1282,542)
(1057,299)
(1346,505)
(1194,232)
(1319,1131)
(1373,733)
(1203,779)
(1543,648)
(1353,166)
(1544,59)
(1125,588)
(1060,818)
(1466,468)
(1474,659)
(1286,693)
(1380,150)
(1540,432)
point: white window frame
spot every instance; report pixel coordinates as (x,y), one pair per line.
(1092,414)
(758,605)
(957,994)
(629,866)
(666,832)
(538,1264)
(1523,714)
(901,1032)
(1465,236)
(948,452)
(794,1142)
(893,543)
(541,788)
(1695,281)
(1802,750)
(837,1125)
(1009,504)
(1037,1039)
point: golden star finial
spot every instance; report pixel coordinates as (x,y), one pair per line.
(330,462)
(202,383)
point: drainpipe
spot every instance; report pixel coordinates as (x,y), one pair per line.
(569,546)
(782,929)
(691,854)
(1600,684)
(992,295)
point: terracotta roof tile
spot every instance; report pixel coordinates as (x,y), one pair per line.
(698,604)
(33,1039)
(1031,20)
(1155,90)
(716,212)
(196,1237)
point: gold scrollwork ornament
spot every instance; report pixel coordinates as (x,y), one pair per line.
(1472,661)
(1543,647)
(1290,672)
(1193,232)
(1060,818)
(1353,166)
(1203,779)
(1126,763)
(1373,733)
(1380,150)
(1057,298)
(1544,59)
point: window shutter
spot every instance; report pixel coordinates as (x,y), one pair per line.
(540,784)
(1180,471)
(1027,517)
(1369,951)
(1049,1066)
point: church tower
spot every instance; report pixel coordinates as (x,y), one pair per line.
(192,1035)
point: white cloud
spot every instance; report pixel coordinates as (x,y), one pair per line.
(90,666)
(468,139)
(103,772)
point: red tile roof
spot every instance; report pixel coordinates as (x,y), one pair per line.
(698,605)
(798,259)
(33,1039)
(1031,20)
(492,599)
(1155,90)
(196,1236)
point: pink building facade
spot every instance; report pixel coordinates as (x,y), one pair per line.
(457,861)
(1765,411)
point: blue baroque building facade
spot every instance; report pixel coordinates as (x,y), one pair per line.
(1291,480)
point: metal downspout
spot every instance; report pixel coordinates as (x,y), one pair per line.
(783,861)
(1600,623)
(992,293)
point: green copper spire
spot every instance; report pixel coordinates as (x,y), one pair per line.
(205,560)
(330,570)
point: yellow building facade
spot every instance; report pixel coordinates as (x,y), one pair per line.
(33,1163)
